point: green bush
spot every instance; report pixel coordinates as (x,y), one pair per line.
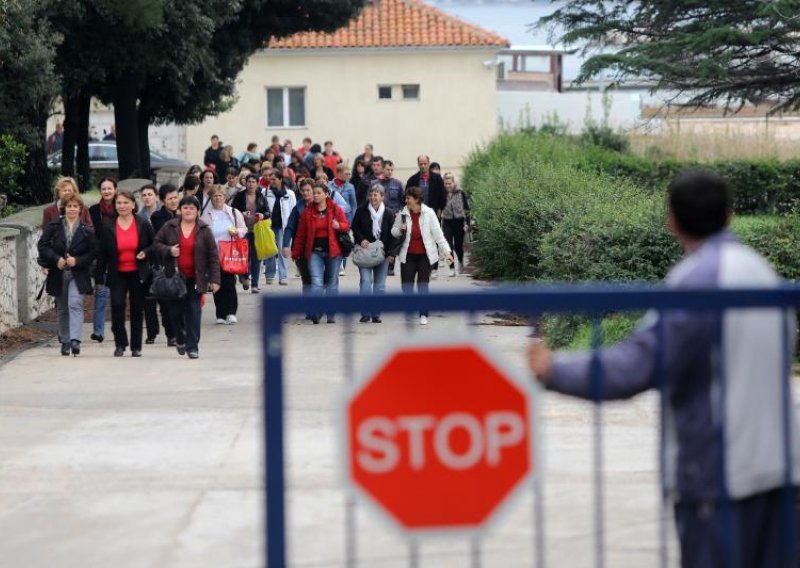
(12,165)
(776,238)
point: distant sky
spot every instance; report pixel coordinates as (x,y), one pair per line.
(511,19)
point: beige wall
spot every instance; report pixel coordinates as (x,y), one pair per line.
(457,108)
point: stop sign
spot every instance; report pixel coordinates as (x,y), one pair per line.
(439,437)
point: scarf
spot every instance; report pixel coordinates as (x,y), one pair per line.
(107,212)
(377,217)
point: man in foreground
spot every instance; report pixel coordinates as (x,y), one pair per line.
(725,448)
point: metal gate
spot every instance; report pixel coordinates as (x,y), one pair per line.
(532,301)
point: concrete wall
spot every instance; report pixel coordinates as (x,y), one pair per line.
(455,112)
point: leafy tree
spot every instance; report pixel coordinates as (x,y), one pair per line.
(729,51)
(30,86)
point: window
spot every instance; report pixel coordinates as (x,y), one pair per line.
(407,92)
(286,107)
(384,91)
(411,92)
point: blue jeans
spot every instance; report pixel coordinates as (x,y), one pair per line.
(254,263)
(101,297)
(373,282)
(278,261)
(324,270)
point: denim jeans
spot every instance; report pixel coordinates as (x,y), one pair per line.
(278,261)
(373,282)
(254,263)
(101,297)
(324,270)
(70,310)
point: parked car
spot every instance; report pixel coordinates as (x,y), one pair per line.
(103,156)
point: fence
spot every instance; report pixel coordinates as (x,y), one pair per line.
(530,301)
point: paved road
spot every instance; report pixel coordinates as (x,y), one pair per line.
(155,462)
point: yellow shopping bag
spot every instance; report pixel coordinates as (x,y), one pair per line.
(265,239)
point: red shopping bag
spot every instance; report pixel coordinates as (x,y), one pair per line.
(233,256)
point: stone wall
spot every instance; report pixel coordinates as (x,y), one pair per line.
(8,284)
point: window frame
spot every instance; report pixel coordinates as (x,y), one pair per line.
(286,107)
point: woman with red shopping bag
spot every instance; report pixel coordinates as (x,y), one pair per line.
(228,227)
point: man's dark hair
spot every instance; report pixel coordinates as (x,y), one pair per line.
(388,163)
(251,176)
(434,166)
(316,149)
(378,159)
(700,201)
(191,182)
(148,186)
(165,190)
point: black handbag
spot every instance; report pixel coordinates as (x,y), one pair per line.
(163,287)
(346,243)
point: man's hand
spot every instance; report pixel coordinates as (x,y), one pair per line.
(287,252)
(61,263)
(214,288)
(540,360)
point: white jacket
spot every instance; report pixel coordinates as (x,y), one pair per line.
(237,220)
(287,204)
(432,236)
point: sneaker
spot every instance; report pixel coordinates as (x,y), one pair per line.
(452,272)
(119,352)
(97,338)
(171,342)
(270,281)
(434,274)
(283,283)
(255,290)
(376,319)
(423,320)
(221,321)
(341,272)
(364,319)
(231,319)
(136,353)
(331,319)
(181,349)
(193,354)
(246,284)
(150,340)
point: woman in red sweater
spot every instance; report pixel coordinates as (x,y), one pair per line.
(122,265)
(317,241)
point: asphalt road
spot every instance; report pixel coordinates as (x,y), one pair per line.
(157,462)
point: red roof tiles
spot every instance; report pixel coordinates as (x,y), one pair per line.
(396,23)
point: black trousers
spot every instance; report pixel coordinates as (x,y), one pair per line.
(417,268)
(226,301)
(453,230)
(127,290)
(186,315)
(151,309)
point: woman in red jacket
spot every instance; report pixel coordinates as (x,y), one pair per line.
(317,241)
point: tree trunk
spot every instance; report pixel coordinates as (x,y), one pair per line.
(71,112)
(37,177)
(125,117)
(143,127)
(84,108)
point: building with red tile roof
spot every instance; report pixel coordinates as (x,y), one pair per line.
(402,75)
(396,23)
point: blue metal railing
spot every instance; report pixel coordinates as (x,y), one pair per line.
(593,300)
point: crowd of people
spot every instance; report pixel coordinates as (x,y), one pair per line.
(158,253)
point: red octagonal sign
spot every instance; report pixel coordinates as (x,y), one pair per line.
(438,437)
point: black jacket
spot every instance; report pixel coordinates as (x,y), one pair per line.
(240,202)
(160,217)
(97,218)
(107,266)
(52,246)
(362,228)
(437,198)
